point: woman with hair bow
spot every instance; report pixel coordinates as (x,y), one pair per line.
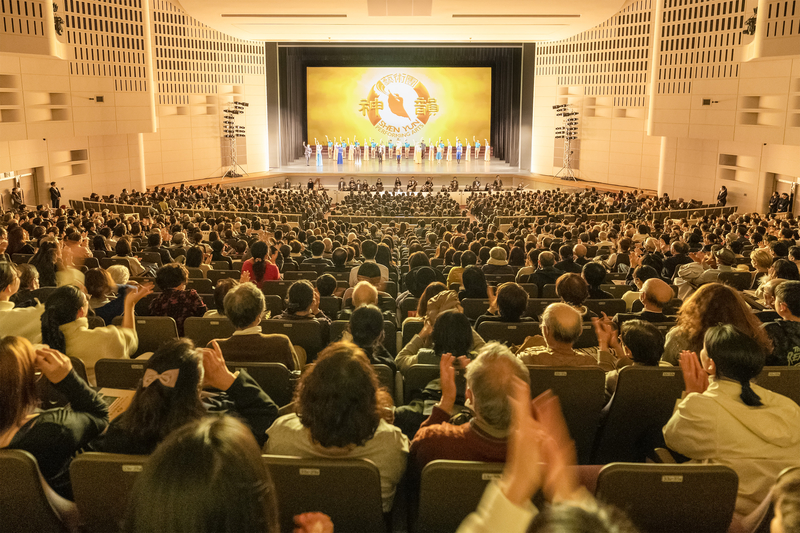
(171,395)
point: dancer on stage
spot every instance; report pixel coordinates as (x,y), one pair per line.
(408,147)
(468,151)
(458,151)
(487,156)
(449,150)
(307,152)
(389,149)
(366,150)
(330,147)
(339,149)
(477,148)
(374,145)
(431,150)
(319,153)
(350,154)
(357,148)
(439,151)
(399,153)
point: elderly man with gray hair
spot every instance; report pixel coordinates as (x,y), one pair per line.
(244,306)
(561,325)
(489,377)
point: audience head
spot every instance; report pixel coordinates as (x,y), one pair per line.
(572,289)
(9,280)
(168,396)
(468,258)
(221,290)
(369,272)
(64,305)
(300,296)
(452,333)
(585,517)
(365,293)
(337,399)
(644,341)
(784,269)
(18,394)
(194,257)
(119,273)
(786,502)
(326,285)
(474,282)
(172,276)
(430,291)
(208,476)
(317,248)
(594,274)
(730,353)
(562,324)
(244,305)
(339,257)
(656,292)
(787,299)
(512,300)
(547,259)
(366,326)
(99,283)
(489,378)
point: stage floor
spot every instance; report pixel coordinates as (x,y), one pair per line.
(407,167)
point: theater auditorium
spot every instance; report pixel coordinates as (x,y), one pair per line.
(399,266)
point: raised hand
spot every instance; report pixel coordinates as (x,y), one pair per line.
(132,297)
(313,523)
(447,375)
(216,373)
(522,475)
(695,378)
(54,365)
(558,450)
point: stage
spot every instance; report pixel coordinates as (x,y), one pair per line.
(407,167)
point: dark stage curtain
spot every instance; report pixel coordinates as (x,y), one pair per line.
(506,64)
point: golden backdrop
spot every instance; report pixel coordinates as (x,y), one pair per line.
(399,103)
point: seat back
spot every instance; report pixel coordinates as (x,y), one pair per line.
(643,403)
(42,293)
(330,305)
(549,290)
(391,288)
(508,332)
(499,279)
(204,330)
(347,490)
(274,378)
(310,275)
(474,307)
(202,286)
(195,273)
(95,322)
(609,307)
(279,288)
(781,379)
(536,306)
(409,304)
(531,288)
(23,501)
(119,373)
(581,392)
(451,490)
(149,257)
(274,304)
(416,378)
(671,497)
(617,291)
(410,329)
(588,336)
(740,281)
(101,483)
(305,333)
(152,331)
(216,275)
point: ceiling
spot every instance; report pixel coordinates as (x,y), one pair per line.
(398,21)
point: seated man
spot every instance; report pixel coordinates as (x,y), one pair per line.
(595,274)
(244,306)
(546,274)
(567,263)
(339,258)
(369,249)
(364,293)
(483,438)
(785,333)
(705,269)
(561,325)
(317,249)
(655,296)
(368,274)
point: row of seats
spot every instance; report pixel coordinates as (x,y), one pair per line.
(657,498)
(642,405)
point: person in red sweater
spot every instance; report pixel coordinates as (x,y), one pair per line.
(484,438)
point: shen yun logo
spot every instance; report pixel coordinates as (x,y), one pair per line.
(398,105)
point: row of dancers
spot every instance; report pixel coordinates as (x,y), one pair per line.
(399,149)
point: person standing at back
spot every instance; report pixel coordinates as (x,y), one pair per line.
(55,195)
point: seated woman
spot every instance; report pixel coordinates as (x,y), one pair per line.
(28,282)
(474,282)
(422,303)
(366,332)
(196,258)
(47,261)
(260,267)
(123,251)
(223,287)
(176,300)
(160,502)
(106,298)
(302,303)
(52,436)
(217,253)
(711,304)
(725,419)
(508,305)
(169,396)
(66,329)
(574,291)
(338,414)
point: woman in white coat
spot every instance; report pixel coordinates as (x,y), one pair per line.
(725,419)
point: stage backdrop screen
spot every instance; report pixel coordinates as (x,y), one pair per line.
(397,103)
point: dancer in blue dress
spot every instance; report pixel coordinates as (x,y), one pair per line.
(339,153)
(319,154)
(458,151)
(440,151)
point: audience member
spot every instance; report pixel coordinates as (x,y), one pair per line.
(508,305)
(175,299)
(546,274)
(20,321)
(497,263)
(785,333)
(366,332)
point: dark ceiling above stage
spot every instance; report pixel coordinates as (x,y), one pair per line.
(505,62)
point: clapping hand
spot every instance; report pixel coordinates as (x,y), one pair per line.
(492,299)
(245,277)
(216,374)
(132,297)
(313,523)
(695,378)
(447,377)
(607,335)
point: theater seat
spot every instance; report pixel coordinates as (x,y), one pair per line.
(24,503)
(101,484)
(273,378)
(347,490)
(152,331)
(451,490)
(781,379)
(671,498)
(203,330)
(119,373)
(510,333)
(642,405)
